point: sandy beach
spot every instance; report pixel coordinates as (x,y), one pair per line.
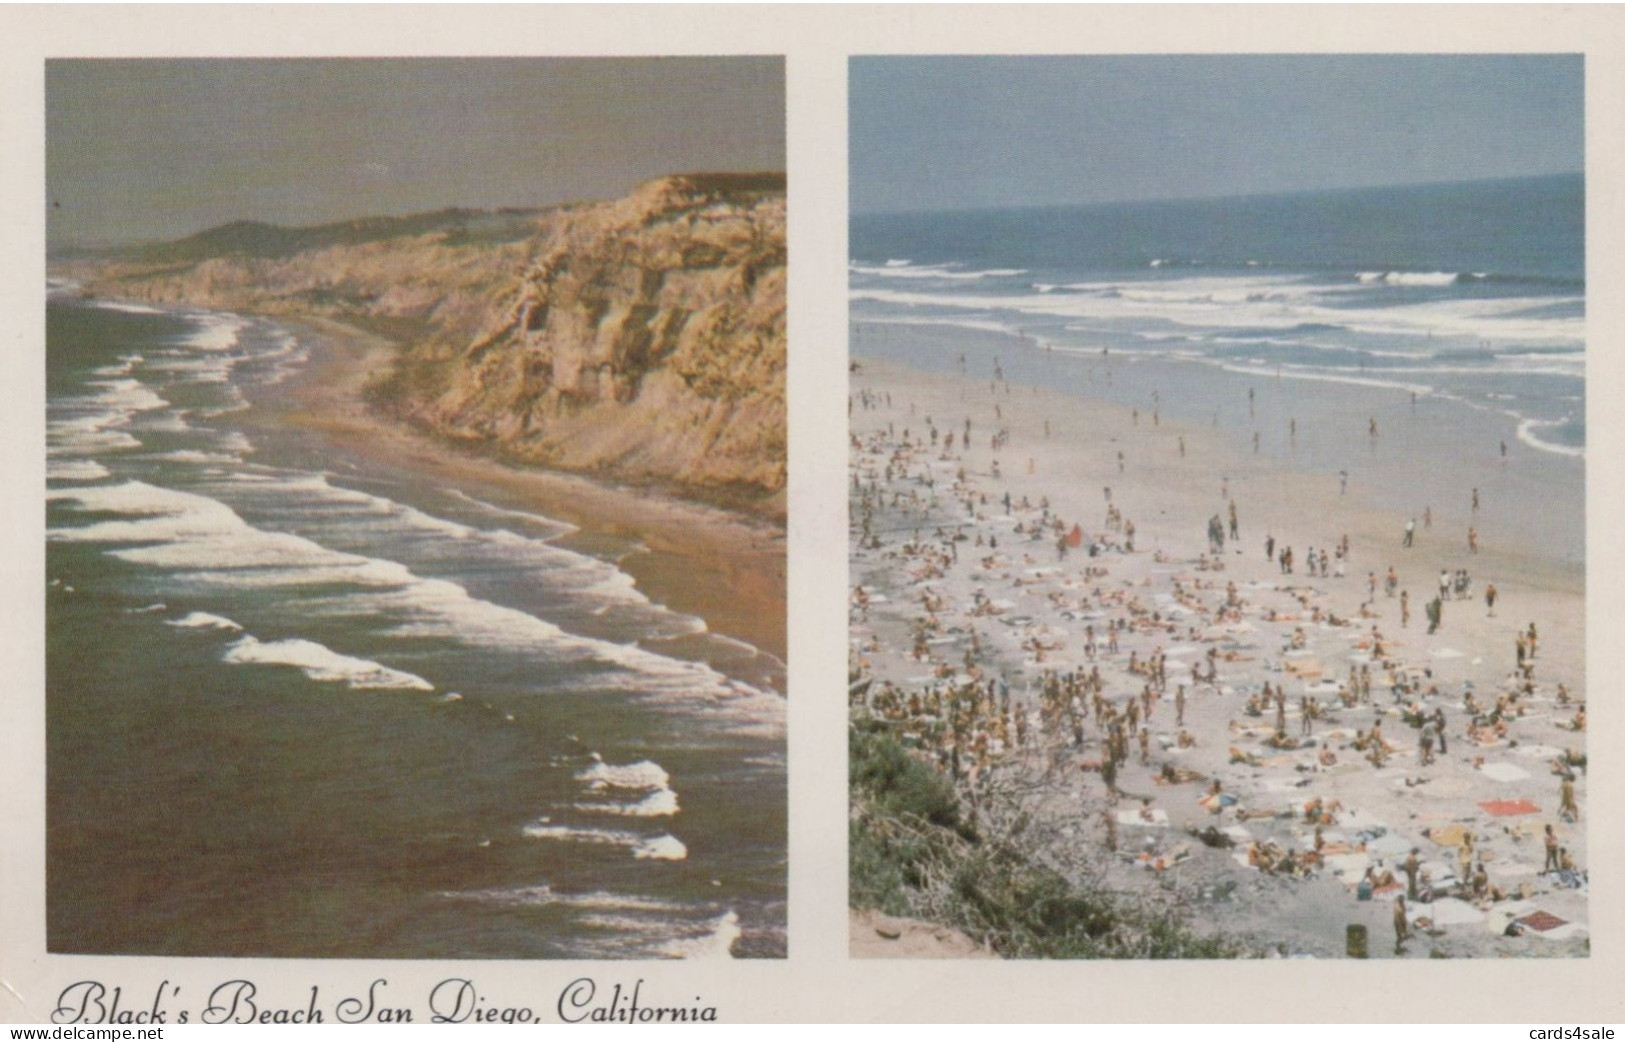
(966,608)
(724,567)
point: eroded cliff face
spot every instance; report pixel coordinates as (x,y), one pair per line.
(641,339)
(645,338)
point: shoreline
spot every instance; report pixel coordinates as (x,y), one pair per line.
(1434,450)
(724,567)
(1031,600)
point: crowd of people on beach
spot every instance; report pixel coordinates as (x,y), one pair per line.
(987,647)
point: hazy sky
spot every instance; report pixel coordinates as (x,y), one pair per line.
(959,132)
(160,149)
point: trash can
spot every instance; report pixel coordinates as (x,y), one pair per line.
(1357,941)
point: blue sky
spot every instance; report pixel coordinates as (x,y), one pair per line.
(933,133)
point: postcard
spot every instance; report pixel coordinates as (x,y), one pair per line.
(783,514)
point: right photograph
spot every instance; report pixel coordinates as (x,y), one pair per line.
(1217,507)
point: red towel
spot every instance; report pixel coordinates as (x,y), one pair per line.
(1503,808)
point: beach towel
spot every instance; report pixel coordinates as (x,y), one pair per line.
(1542,921)
(1451,911)
(1391,845)
(1506,808)
(1504,772)
(1448,835)
(1158,818)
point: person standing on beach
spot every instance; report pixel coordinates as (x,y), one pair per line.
(1402,926)
(1472,540)
(1475,500)
(1489,598)
(1438,727)
(1551,851)
(1410,532)
(1405,608)
(1567,808)
(1343,479)
(1412,867)
(1435,615)
(1235,527)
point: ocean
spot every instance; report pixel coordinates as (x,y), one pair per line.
(304,703)
(1451,315)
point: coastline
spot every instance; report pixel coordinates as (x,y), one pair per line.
(726,568)
(1063,449)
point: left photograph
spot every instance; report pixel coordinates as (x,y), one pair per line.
(415,508)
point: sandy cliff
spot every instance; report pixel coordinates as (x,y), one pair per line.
(641,339)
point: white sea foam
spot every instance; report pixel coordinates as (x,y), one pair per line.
(936,271)
(321,663)
(716,943)
(127,395)
(205,369)
(194,456)
(84,424)
(643,774)
(235,441)
(1527,429)
(1256,302)
(124,367)
(206,542)
(543,894)
(75,470)
(88,435)
(215,332)
(1328,376)
(173,421)
(202,620)
(127,307)
(1410,278)
(664,847)
(660,803)
(558,527)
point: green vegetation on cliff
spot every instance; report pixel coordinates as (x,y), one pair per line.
(918,850)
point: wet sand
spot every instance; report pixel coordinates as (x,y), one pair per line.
(1168,592)
(700,560)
